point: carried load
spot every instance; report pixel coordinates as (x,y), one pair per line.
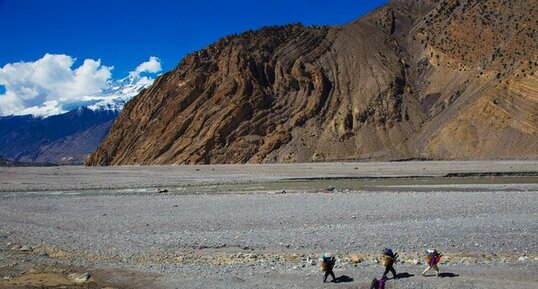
(388,258)
(432,257)
(327,261)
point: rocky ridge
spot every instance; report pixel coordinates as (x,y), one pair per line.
(413,79)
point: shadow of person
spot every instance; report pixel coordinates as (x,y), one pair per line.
(449,275)
(344,279)
(403,275)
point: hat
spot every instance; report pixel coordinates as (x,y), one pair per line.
(328,255)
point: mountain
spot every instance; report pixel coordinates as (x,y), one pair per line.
(67,138)
(8,163)
(434,79)
(119,93)
(61,139)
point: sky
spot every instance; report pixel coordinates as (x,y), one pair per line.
(90,43)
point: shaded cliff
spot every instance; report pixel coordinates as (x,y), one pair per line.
(61,139)
(413,79)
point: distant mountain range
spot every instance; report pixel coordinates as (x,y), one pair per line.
(67,138)
(61,139)
(428,79)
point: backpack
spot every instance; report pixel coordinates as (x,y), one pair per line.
(387,260)
(327,261)
(388,257)
(432,257)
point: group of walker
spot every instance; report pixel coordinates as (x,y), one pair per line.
(389,258)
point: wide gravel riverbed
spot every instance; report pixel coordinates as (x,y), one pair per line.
(204,234)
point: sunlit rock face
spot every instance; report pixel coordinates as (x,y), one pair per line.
(413,79)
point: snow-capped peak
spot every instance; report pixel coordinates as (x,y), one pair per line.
(51,85)
(120,92)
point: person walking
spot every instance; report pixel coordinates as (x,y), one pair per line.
(327,264)
(432,258)
(388,260)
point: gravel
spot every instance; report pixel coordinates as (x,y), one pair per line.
(268,240)
(28,179)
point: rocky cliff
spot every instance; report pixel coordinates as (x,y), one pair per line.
(413,79)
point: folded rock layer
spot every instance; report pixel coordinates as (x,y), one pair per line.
(413,79)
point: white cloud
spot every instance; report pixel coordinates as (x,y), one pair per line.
(48,108)
(153,65)
(30,85)
(44,86)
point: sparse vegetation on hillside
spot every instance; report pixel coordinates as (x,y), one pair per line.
(437,79)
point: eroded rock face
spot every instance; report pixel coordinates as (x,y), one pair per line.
(405,81)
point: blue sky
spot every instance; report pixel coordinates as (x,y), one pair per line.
(125,33)
(56,53)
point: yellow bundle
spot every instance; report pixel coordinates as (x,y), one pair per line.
(428,259)
(387,261)
(324,266)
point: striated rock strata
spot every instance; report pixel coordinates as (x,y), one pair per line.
(413,79)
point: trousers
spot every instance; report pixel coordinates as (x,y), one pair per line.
(327,273)
(434,267)
(392,270)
